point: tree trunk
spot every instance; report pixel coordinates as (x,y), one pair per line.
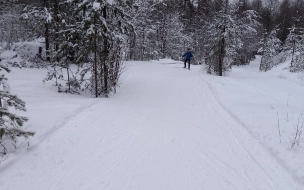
(105,49)
(95,60)
(293,52)
(143,44)
(67,67)
(221,56)
(56,20)
(222,44)
(164,42)
(47,42)
(47,36)
(132,46)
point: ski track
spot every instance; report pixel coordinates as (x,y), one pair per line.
(255,147)
(163,131)
(236,147)
(273,95)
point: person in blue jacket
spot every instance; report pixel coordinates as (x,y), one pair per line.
(187,56)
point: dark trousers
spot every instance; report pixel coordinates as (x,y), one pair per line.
(188,63)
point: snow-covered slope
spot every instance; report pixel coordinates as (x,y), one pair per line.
(166,128)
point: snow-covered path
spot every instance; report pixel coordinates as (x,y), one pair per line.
(163,130)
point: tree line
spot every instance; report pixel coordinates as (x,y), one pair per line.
(220,33)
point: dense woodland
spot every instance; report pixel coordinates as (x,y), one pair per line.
(96,36)
(219,32)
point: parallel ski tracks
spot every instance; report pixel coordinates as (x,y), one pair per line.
(234,126)
(167,131)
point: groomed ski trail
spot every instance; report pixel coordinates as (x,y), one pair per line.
(163,130)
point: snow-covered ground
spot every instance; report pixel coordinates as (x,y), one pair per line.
(167,128)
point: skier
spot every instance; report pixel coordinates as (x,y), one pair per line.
(188,56)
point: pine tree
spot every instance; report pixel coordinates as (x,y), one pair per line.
(40,15)
(294,47)
(226,31)
(66,36)
(248,29)
(159,31)
(171,33)
(284,20)
(201,18)
(291,44)
(296,38)
(12,28)
(10,123)
(101,29)
(272,46)
(257,6)
(217,40)
(144,44)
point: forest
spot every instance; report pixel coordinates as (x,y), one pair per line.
(98,35)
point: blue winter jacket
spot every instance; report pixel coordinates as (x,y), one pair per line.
(188,55)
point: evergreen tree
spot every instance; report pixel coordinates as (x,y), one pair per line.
(101,29)
(248,29)
(202,16)
(268,15)
(218,36)
(159,31)
(226,31)
(12,28)
(294,43)
(59,68)
(144,44)
(39,15)
(257,5)
(170,30)
(10,123)
(284,20)
(272,46)
(298,12)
